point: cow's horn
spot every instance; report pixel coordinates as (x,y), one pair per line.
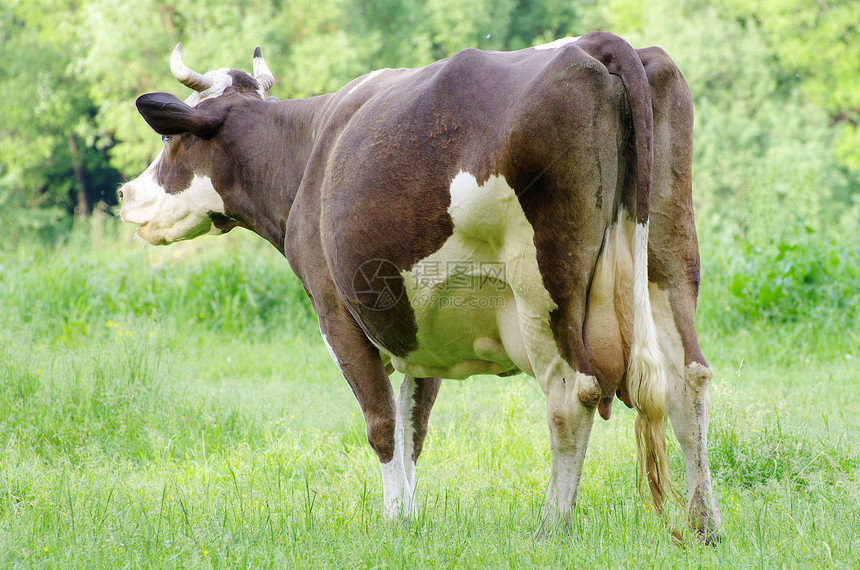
(186,76)
(262,72)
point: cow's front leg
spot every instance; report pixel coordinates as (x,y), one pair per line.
(398,474)
(413,406)
(359,362)
(570,404)
(688,405)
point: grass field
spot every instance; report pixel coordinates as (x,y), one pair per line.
(175,407)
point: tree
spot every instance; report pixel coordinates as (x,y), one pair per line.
(765,152)
(774,84)
(52,158)
(816,43)
(304,41)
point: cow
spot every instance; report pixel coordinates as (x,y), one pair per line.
(490,213)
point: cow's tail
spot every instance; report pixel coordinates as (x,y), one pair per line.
(646,371)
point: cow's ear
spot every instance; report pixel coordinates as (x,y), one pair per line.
(167,115)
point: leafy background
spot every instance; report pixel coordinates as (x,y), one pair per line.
(775,86)
(173,407)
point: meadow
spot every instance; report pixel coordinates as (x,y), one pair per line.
(175,407)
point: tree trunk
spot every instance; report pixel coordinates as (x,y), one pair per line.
(82,208)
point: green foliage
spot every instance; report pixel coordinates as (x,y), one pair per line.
(453,26)
(752,458)
(67,294)
(814,42)
(774,85)
(765,154)
(811,278)
(46,128)
(803,277)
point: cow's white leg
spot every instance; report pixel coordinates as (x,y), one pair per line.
(571,395)
(398,475)
(405,408)
(688,406)
(571,401)
(689,410)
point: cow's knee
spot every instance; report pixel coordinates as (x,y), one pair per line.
(380,435)
(569,403)
(698,375)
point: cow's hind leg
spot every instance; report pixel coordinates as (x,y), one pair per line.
(674,273)
(570,404)
(572,393)
(688,407)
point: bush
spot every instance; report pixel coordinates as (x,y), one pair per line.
(99,278)
(802,276)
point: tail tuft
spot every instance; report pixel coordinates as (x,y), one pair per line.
(647,379)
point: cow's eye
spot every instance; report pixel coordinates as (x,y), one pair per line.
(165,139)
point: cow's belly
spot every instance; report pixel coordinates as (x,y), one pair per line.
(467,324)
(462,296)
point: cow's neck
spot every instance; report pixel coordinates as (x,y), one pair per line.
(272,155)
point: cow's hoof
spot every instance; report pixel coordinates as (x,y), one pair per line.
(707,530)
(706,520)
(549,530)
(710,536)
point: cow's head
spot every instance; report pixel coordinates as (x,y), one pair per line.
(180,195)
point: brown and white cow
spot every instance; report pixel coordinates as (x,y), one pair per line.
(490,213)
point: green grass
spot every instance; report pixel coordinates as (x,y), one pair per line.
(175,407)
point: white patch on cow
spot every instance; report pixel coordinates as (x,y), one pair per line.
(165,218)
(498,323)
(405,407)
(140,196)
(331,352)
(557,43)
(394,488)
(398,475)
(367,78)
